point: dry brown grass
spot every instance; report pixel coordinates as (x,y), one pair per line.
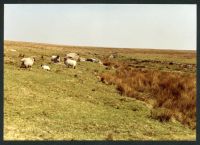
(173,91)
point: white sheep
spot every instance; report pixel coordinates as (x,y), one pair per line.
(73,56)
(82,59)
(27,62)
(55,58)
(69,62)
(92,60)
(45,67)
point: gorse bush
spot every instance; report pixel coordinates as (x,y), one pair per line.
(176,92)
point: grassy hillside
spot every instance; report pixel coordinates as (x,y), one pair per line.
(72,104)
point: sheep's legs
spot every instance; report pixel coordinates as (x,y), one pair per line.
(29,68)
(22,65)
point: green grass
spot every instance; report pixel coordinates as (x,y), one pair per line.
(56,105)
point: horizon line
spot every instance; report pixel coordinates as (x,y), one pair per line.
(91,46)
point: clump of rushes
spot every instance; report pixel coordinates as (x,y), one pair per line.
(173,91)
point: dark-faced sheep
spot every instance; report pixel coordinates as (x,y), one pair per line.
(55,58)
(45,67)
(69,62)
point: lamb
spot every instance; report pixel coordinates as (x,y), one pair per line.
(55,58)
(45,67)
(27,62)
(69,62)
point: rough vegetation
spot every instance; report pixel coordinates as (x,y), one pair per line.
(176,92)
(73,104)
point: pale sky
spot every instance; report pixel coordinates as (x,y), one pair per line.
(155,26)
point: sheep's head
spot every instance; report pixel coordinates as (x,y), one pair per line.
(21,55)
(34,59)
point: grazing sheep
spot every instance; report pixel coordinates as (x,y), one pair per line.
(92,60)
(45,67)
(68,62)
(27,62)
(82,59)
(55,58)
(73,56)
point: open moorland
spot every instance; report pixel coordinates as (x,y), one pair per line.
(136,94)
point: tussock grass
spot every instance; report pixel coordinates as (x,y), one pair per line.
(171,90)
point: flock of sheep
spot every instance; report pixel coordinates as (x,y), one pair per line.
(70,60)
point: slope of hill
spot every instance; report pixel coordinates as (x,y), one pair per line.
(72,104)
